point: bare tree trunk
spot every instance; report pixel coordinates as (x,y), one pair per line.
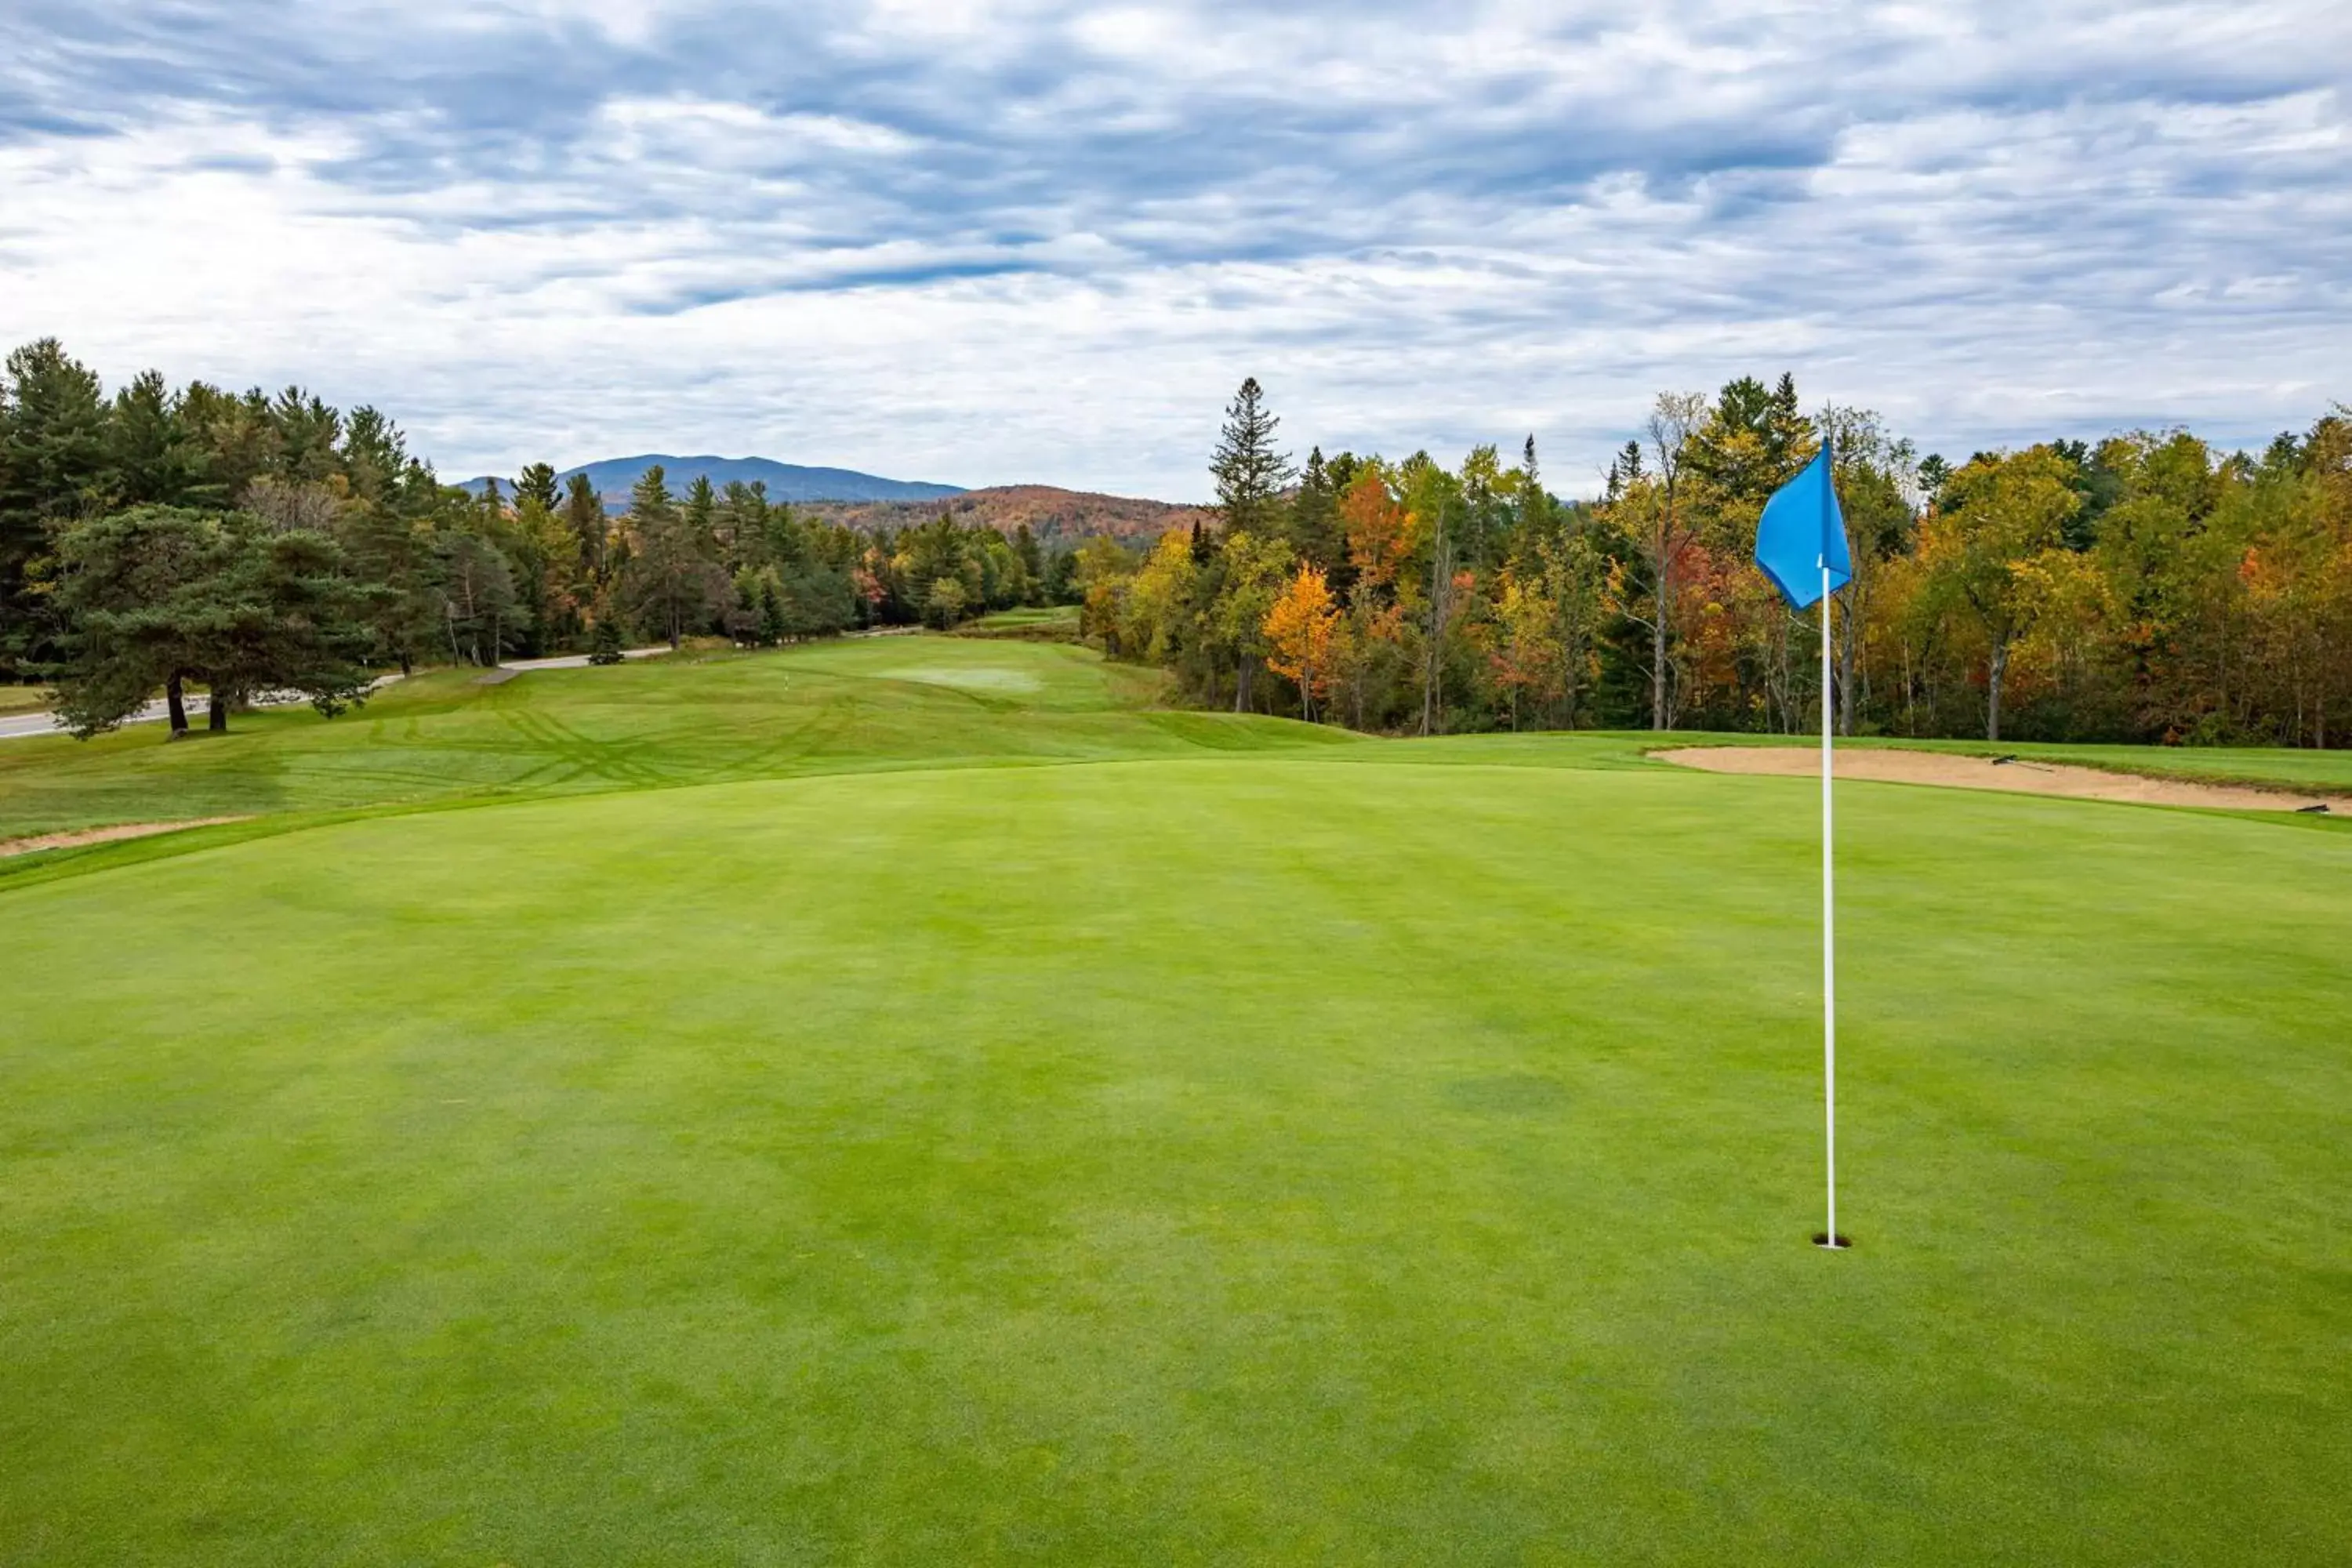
(1440,583)
(1658,657)
(1242,684)
(1664,573)
(1848,651)
(216,710)
(175,698)
(1994,670)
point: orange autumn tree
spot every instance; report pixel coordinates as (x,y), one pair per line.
(1378,527)
(1300,626)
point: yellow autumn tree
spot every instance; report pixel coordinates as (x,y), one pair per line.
(1300,627)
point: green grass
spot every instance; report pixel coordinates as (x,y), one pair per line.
(17,698)
(1030,615)
(1051,623)
(850,706)
(718,717)
(1199,1156)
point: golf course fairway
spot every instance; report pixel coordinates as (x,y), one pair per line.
(1185,1139)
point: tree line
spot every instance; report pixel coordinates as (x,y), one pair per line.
(2144,588)
(162,539)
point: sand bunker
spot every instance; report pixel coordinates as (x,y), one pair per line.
(2023,776)
(105,835)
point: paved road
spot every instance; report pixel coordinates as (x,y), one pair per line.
(17,726)
(574,660)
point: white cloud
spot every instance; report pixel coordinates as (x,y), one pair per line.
(986,242)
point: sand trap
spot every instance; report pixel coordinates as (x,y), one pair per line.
(2023,776)
(105,835)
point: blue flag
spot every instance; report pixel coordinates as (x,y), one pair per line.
(1802,530)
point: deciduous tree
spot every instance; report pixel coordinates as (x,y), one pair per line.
(1298,631)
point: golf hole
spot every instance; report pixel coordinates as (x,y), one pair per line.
(1821,1240)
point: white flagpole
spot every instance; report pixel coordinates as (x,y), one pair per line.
(1829,929)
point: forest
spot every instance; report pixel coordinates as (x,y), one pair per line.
(2144,588)
(164,540)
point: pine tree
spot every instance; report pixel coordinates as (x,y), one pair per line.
(1250,474)
(296,620)
(1534,503)
(1033,564)
(53,465)
(537,483)
(129,587)
(153,459)
(583,512)
(671,577)
(604,644)
(1314,528)
(157,595)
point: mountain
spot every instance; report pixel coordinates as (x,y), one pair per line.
(785,481)
(1058,517)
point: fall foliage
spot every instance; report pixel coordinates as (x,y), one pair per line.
(2145,587)
(1300,627)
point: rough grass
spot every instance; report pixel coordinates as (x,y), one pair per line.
(1285,1154)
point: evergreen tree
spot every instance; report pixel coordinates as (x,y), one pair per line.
(393,551)
(1033,564)
(134,591)
(537,483)
(291,617)
(1313,529)
(583,513)
(742,527)
(479,608)
(774,623)
(700,515)
(670,579)
(157,595)
(375,460)
(53,469)
(1537,516)
(1062,585)
(307,432)
(604,644)
(152,457)
(538,545)
(1250,475)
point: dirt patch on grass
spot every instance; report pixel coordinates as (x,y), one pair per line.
(2023,776)
(105,835)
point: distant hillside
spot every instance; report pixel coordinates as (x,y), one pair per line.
(613,478)
(1058,517)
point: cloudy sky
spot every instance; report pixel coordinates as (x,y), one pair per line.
(986,242)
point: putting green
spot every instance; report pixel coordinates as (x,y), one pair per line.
(967,676)
(1297,1156)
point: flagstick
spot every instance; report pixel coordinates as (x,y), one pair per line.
(1829,929)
